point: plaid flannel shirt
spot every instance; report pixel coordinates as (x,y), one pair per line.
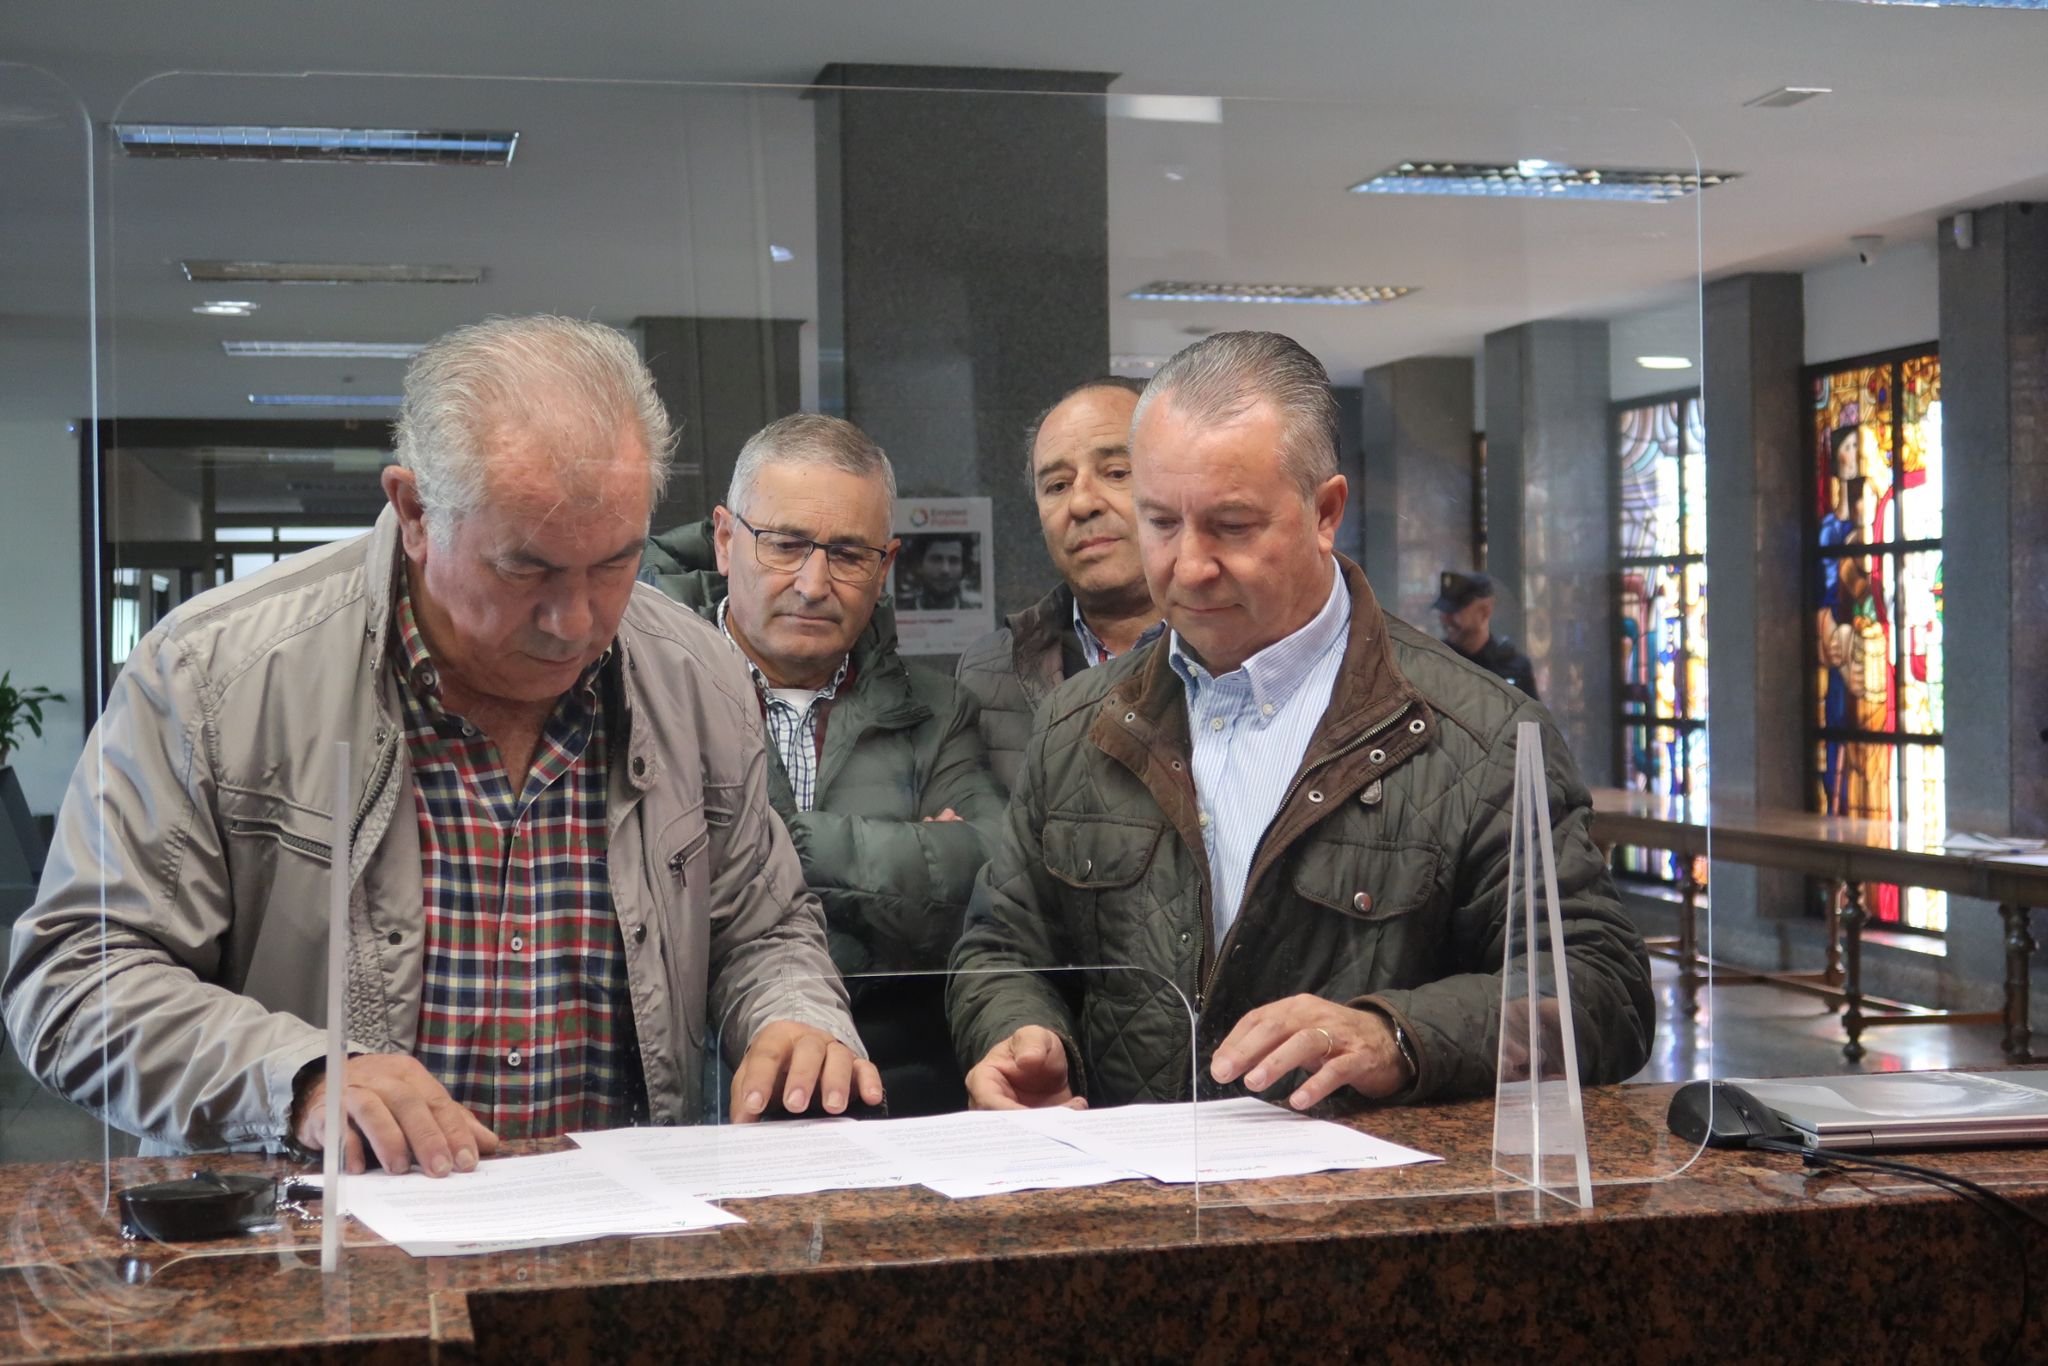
(797,737)
(524,1011)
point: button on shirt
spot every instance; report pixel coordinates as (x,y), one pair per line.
(1092,648)
(1250,728)
(524,1011)
(793,728)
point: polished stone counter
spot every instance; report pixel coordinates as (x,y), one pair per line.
(1737,1256)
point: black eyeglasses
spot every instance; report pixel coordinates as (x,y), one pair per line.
(787,553)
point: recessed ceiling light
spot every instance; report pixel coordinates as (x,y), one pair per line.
(1975,4)
(324,400)
(226,308)
(327,273)
(253,142)
(1664,362)
(307,350)
(1534,178)
(1785,96)
(780,254)
(1167,108)
(1197,292)
(1121,363)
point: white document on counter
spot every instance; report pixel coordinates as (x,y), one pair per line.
(984,1152)
(745,1161)
(1243,1139)
(518,1202)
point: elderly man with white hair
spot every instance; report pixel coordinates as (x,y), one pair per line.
(564,860)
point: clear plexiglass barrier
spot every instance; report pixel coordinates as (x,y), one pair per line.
(938,266)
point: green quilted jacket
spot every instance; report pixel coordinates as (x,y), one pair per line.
(901,743)
(1012,669)
(1381,880)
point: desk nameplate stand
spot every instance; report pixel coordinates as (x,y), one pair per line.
(1539,1122)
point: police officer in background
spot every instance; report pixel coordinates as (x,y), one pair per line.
(1464,603)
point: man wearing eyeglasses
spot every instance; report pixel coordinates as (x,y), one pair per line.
(882,777)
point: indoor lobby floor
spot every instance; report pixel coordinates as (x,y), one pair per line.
(1750,1030)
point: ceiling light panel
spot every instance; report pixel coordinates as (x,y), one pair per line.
(1534,178)
(1199,292)
(1664,362)
(253,142)
(1971,4)
(324,400)
(226,308)
(1785,96)
(324,350)
(327,273)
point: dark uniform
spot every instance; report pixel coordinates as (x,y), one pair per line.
(1498,656)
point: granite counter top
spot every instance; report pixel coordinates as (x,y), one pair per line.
(1684,1256)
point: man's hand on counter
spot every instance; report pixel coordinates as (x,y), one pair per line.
(393,1104)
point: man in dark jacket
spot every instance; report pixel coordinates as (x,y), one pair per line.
(879,770)
(1077,458)
(1290,818)
(1464,604)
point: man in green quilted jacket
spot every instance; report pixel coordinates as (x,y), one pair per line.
(1269,850)
(877,766)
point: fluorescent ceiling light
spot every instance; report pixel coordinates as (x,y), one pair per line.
(327,273)
(1974,4)
(1167,108)
(780,254)
(324,400)
(1664,362)
(226,308)
(1534,178)
(252,142)
(1131,362)
(1785,96)
(1196,292)
(310,350)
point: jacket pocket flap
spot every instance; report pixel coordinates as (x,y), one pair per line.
(1368,882)
(1101,851)
(256,815)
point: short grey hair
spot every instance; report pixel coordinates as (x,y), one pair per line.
(809,439)
(1221,377)
(580,382)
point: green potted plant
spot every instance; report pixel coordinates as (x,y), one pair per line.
(21,852)
(21,708)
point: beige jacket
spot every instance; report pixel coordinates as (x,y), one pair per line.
(171,975)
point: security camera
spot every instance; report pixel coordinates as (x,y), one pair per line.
(1867,248)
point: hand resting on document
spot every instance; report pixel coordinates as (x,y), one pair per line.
(1027,1071)
(1336,1045)
(802,1060)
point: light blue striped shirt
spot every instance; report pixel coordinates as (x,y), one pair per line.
(1250,729)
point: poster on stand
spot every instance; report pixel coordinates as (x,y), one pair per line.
(943,579)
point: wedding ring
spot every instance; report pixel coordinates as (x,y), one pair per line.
(1329,1044)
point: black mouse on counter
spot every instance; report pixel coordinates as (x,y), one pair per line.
(1723,1115)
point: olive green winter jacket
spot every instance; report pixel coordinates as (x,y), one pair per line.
(901,744)
(1381,880)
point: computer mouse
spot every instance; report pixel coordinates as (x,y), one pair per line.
(1722,1115)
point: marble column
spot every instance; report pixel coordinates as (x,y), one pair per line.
(1418,491)
(963,273)
(1550,523)
(1755,328)
(1994,380)
(722,380)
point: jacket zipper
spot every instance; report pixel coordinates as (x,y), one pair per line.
(1211,963)
(311,847)
(378,777)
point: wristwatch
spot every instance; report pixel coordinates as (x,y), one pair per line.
(1403,1044)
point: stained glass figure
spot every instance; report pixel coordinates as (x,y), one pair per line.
(1661,588)
(1876,702)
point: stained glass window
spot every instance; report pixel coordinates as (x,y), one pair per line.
(1661,531)
(1875,696)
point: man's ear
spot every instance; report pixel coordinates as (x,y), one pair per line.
(402,490)
(722,528)
(1329,505)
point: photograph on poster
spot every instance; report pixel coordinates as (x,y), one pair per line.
(940,582)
